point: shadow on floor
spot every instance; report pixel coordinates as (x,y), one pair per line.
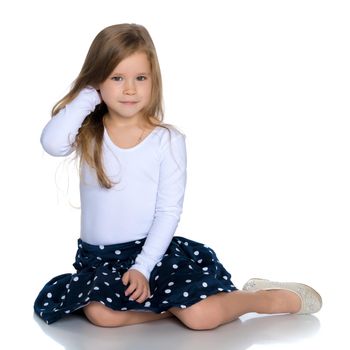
(77,333)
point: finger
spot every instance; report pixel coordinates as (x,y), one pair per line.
(132,287)
(126,278)
(143,297)
(145,294)
(137,294)
(147,291)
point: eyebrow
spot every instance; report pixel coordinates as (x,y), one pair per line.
(141,73)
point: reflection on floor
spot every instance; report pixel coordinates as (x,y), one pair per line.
(75,332)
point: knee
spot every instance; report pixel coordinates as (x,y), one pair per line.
(200,317)
(102,316)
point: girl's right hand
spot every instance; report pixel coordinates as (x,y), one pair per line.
(92,94)
(88,98)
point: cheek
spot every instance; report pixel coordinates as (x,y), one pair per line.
(106,92)
(148,91)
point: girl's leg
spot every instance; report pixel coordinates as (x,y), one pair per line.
(104,316)
(222,308)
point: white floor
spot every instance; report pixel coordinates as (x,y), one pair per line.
(256,332)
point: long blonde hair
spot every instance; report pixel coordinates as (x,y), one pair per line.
(108,49)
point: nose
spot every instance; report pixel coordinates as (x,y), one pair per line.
(129,88)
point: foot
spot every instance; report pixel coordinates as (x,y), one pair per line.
(283,301)
(310,300)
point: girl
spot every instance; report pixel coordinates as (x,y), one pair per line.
(130,268)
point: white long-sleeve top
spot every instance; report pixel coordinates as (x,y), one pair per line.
(147,201)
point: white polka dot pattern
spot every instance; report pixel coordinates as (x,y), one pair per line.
(188,273)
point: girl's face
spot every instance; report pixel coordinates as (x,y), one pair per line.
(128,89)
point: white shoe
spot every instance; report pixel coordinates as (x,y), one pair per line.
(311,301)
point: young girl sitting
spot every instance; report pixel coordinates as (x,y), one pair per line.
(130,268)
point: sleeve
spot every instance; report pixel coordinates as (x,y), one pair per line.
(60,132)
(169,203)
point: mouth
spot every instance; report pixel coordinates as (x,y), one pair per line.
(128,102)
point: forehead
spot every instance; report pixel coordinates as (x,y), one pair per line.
(135,63)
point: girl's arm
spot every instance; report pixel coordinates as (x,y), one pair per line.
(60,132)
(170,198)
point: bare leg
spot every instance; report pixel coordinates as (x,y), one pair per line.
(222,308)
(209,313)
(104,316)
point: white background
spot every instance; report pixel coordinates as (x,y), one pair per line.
(261,90)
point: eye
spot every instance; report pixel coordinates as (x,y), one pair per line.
(117,78)
(141,78)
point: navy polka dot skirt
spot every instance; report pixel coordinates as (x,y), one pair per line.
(188,273)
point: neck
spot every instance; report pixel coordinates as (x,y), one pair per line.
(123,123)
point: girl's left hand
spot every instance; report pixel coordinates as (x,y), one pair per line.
(138,288)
